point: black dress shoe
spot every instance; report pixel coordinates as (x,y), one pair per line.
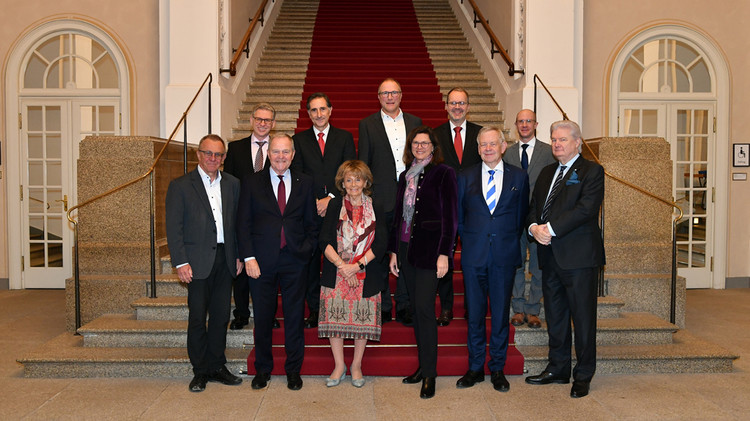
(198,384)
(546,378)
(293,381)
(414,378)
(312,320)
(579,389)
(445,318)
(470,378)
(499,382)
(260,380)
(428,388)
(238,323)
(223,376)
(385,317)
(276,324)
(404,316)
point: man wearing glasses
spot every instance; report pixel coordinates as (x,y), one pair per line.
(458,141)
(245,157)
(382,137)
(538,155)
(201,209)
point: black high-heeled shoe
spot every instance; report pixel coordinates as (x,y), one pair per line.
(414,378)
(428,388)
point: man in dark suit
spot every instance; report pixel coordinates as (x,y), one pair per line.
(458,141)
(382,137)
(493,199)
(276,235)
(563,219)
(320,150)
(201,208)
(537,156)
(247,156)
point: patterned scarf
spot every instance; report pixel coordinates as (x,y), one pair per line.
(354,240)
(410,195)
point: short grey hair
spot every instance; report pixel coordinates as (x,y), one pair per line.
(278,135)
(573,128)
(486,129)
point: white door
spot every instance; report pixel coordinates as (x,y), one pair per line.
(689,129)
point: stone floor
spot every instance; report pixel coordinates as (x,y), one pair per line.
(29,318)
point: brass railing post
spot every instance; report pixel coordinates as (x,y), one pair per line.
(152,226)
(77,277)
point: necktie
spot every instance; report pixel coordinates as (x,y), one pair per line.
(490,198)
(458,144)
(281,198)
(259,156)
(524,157)
(553,193)
(322,144)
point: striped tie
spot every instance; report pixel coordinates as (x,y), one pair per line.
(553,193)
(491,191)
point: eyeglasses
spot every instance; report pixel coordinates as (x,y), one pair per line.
(210,154)
(454,103)
(391,93)
(263,120)
(421,144)
(527,121)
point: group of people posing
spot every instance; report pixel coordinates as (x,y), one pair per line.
(400,206)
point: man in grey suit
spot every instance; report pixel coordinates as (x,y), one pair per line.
(201,208)
(382,137)
(537,156)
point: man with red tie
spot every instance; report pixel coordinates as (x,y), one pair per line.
(276,234)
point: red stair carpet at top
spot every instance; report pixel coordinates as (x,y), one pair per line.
(357,44)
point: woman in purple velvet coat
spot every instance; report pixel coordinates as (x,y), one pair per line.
(421,241)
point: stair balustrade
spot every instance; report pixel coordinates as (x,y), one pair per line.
(259,17)
(494,41)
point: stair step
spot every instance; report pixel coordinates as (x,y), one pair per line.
(686,354)
(119,331)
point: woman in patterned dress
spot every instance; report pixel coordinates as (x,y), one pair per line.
(353,239)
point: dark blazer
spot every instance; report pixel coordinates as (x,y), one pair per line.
(322,168)
(471,150)
(239,161)
(190,225)
(259,220)
(541,157)
(435,216)
(574,216)
(375,151)
(375,274)
(497,233)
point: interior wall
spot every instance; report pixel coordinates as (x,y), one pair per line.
(132,24)
(608,25)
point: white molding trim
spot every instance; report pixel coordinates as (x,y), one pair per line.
(721,86)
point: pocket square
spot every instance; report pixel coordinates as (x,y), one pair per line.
(573,179)
(513,188)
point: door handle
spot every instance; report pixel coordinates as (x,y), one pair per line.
(64,202)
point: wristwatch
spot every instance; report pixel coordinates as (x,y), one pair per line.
(361,265)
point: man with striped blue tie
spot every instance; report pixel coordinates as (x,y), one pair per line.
(493,199)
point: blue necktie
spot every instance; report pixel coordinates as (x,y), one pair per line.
(553,193)
(490,198)
(524,157)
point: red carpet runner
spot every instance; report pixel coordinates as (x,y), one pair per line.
(355,46)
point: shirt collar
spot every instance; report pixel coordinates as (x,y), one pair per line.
(205,176)
(384,116)
(498,168)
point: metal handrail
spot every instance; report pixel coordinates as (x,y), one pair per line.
(674,205)
(494,41)
(232,70)
(149,173)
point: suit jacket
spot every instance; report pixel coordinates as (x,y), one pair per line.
(259,220)
(573,215)
(375,271)
(433,228)
(541,157)
(322,168)
(496,233)
(191,229)
(239,161)
(471,149)
(375,151)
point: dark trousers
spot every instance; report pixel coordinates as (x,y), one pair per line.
(289,275)
(491,282)
(241,292)
(401,296)
(312,281)
(209,297)
(421,285)
(570,295)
